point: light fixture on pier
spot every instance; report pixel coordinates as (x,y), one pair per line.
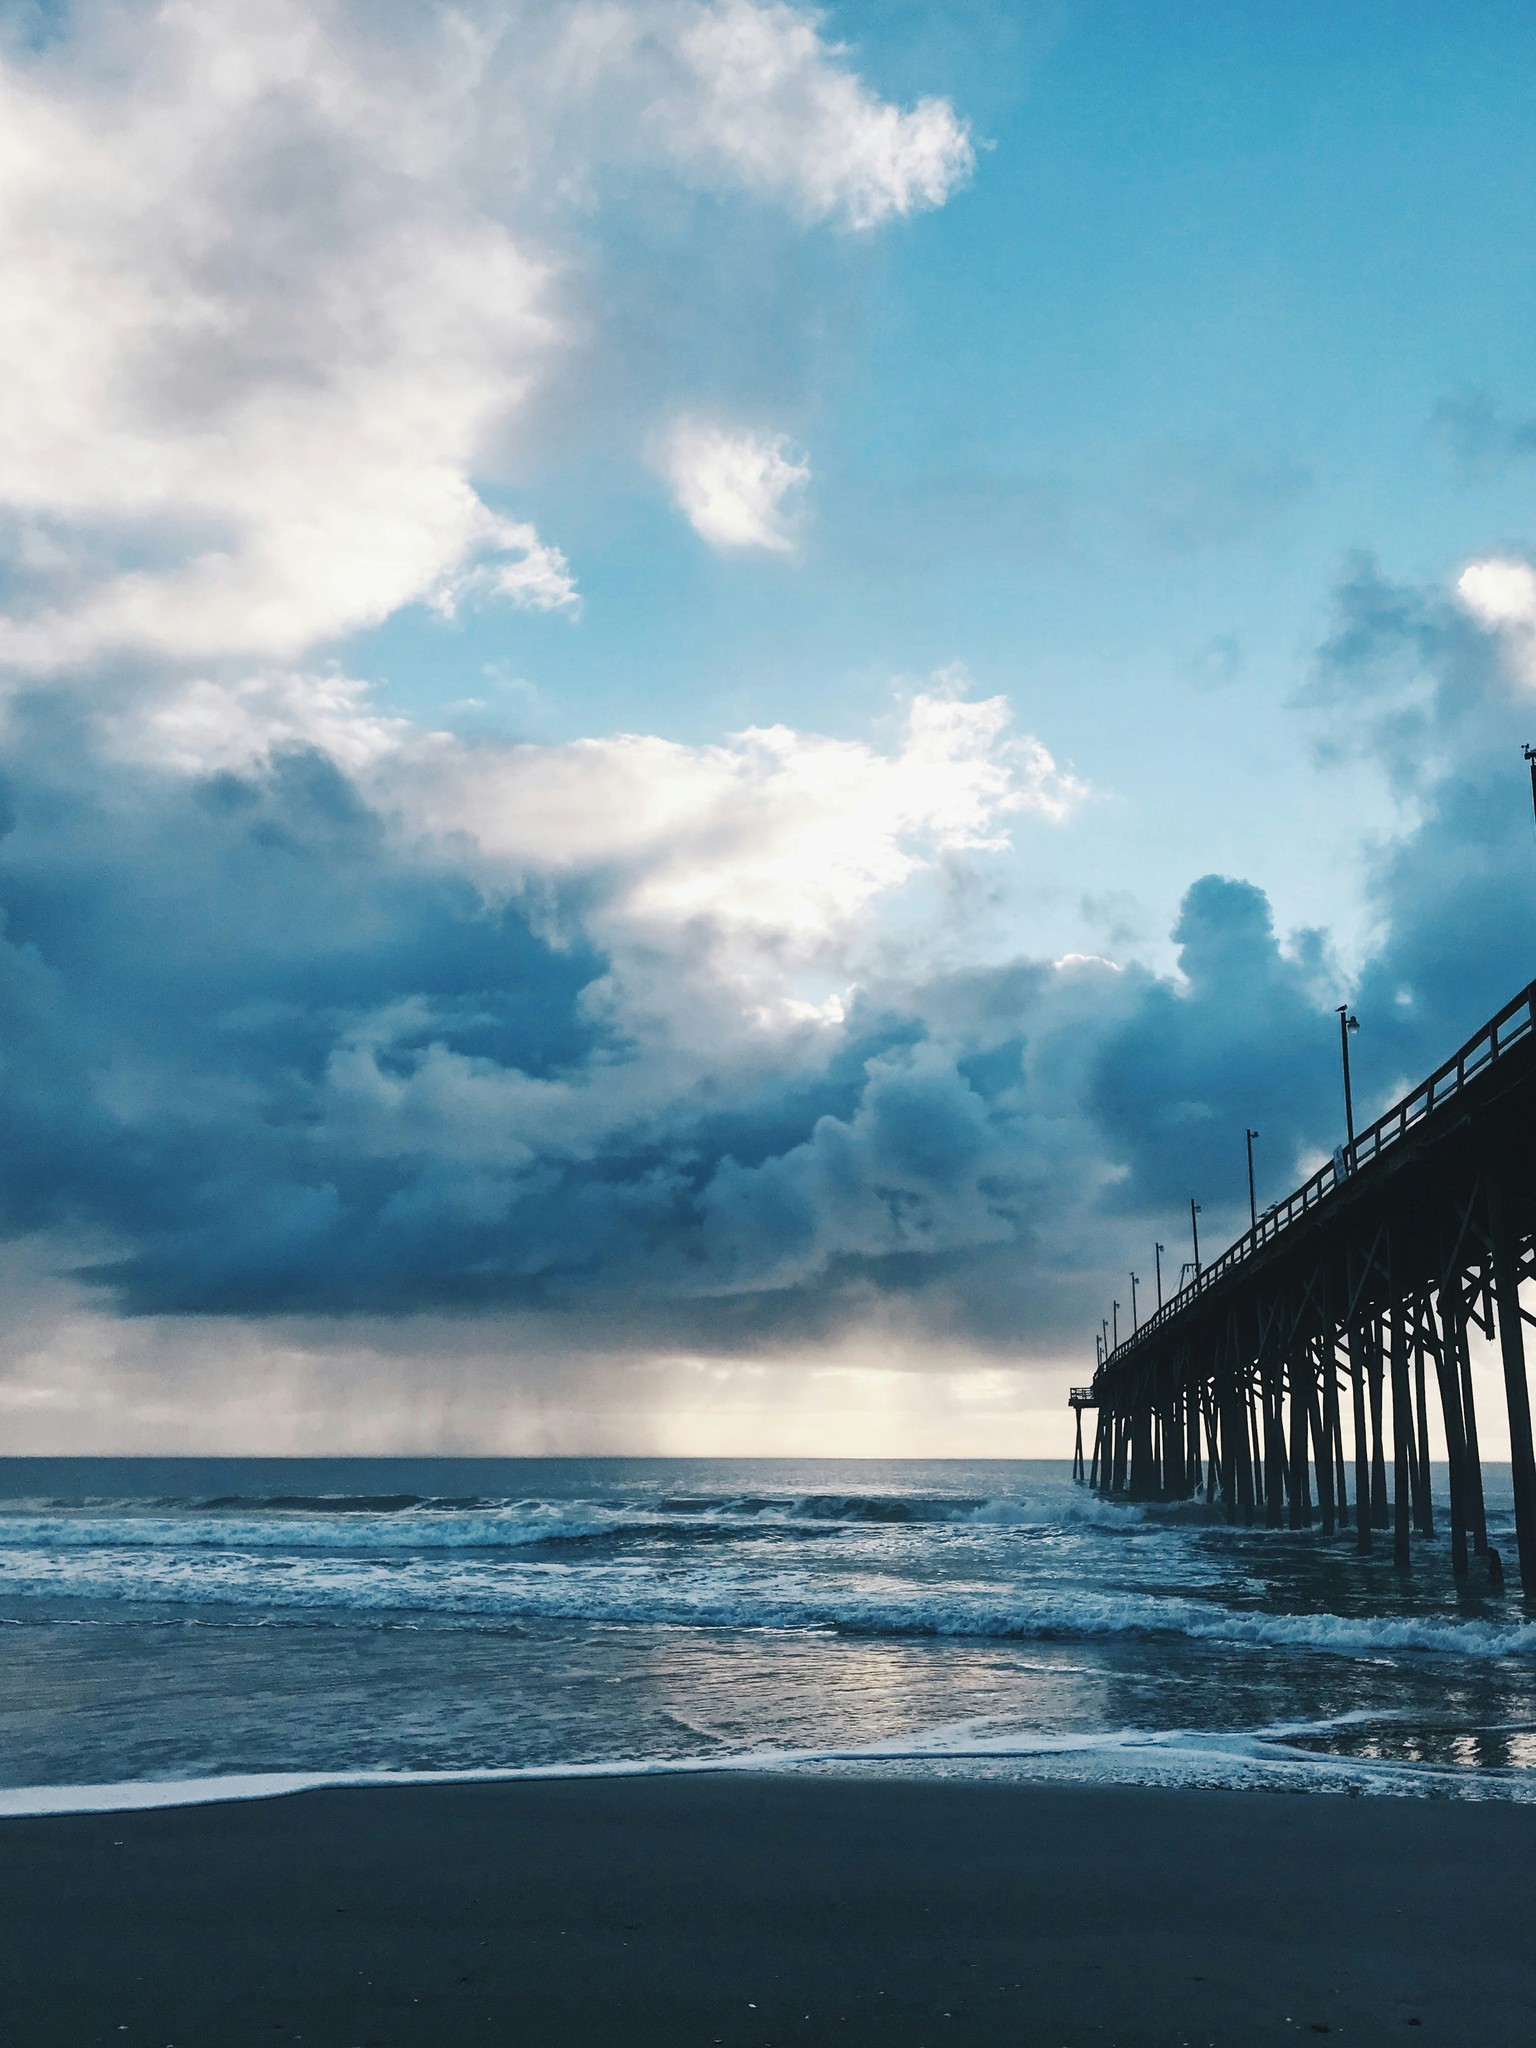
(1348,1022)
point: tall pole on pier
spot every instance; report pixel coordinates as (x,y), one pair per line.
(1253,1207)
(1114,1309)
(1348,1023)
(1157,1253)
(1530,755)
(1135,1320)
(1194,1231)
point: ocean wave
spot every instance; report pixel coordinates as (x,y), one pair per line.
(344,1530)
(325,1503)
(629,1592)
(834,1507)
(395,1537)
(395,1522)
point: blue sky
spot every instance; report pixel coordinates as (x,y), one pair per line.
(1094,442)
(1104,429)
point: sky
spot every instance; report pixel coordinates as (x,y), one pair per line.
(698,698)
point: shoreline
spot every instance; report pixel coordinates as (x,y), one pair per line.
(1234,1760)
(754,1909)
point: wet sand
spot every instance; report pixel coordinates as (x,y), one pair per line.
(752,1911)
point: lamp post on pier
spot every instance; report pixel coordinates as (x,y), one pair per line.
(1194,1231)
(1348,1022)
(1135,1321)
(1253,1207)
(1114,1310)
(1157,1253)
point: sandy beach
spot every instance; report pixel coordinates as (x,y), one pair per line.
(750,1911)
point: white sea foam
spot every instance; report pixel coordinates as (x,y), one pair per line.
(866,1603)
(1263,1758)
(321,1524)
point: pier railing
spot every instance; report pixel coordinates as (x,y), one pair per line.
(1516,1021)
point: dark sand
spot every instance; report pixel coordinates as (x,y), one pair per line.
(767,1910)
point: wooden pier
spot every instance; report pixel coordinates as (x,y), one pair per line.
(1359,1292)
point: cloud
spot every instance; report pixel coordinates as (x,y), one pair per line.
(312,1011)
(1427,683)
(205,726)
(368,1020)
(524,570)
(619,1038)
(767,99)
(1403,680)
(731,485)
(288,285)
(1243,1040)
(1434,686)
(256,340)
(1500,593)
(716,877)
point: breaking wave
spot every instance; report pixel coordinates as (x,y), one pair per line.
(629,1592)
(392,1522)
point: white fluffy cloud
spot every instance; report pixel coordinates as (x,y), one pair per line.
(732,485)
(767,98)
(283,281)
(254,343)
(737,865)
(775,831)
(1500,593)
(207,727)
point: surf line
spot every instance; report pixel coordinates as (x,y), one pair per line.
(1260,1755)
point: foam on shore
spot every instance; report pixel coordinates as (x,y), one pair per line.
(1235,1759)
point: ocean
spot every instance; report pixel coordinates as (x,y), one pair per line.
(175,1621)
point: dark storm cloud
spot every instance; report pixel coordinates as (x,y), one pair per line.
(180,961)
(278,1058)
(1405,677)
(1408,680)
(1444,705)
(189,965)
(1244,1043)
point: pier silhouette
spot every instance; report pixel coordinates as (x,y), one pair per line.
(1360,1289)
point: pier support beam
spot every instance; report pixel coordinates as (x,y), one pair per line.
(1376,1374)
(1402,1442)
(1442,1348)
(1424,1503)
(1477,1512)
(1506,1289)
(1362,1443)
